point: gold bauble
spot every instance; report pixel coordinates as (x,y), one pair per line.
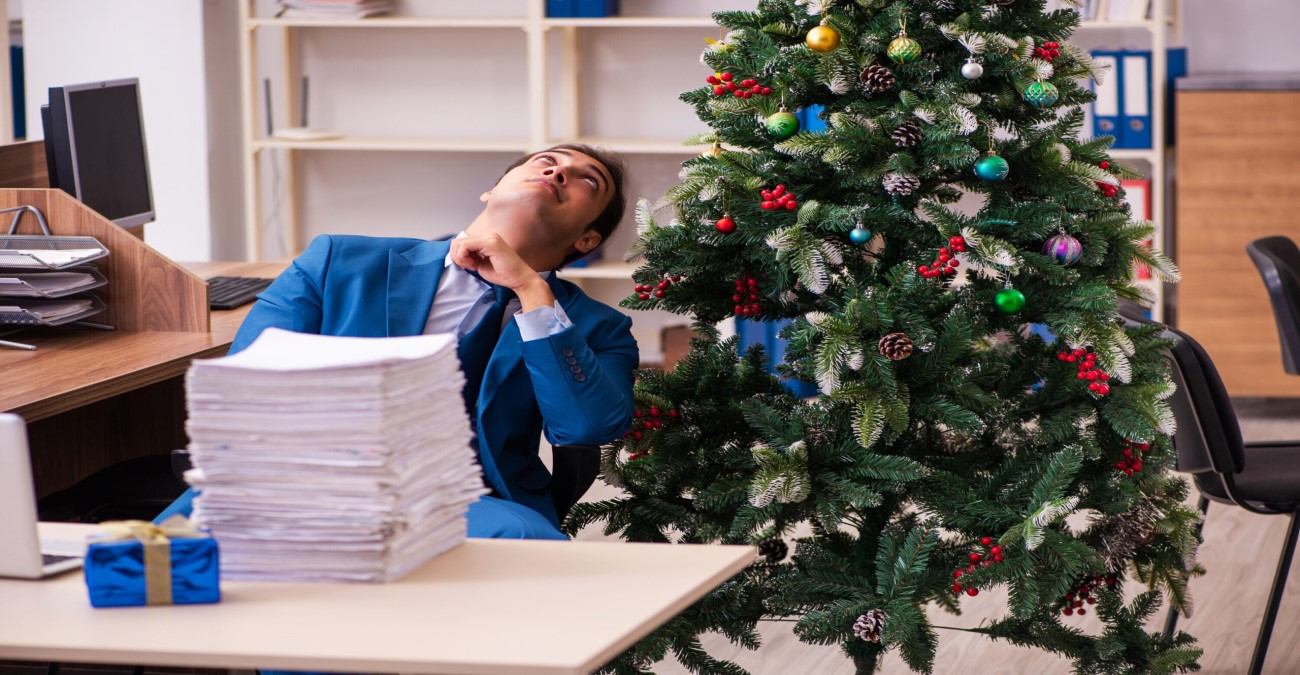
(823,38)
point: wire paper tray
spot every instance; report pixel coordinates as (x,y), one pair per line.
(28,284)
(39,252)
(14,313)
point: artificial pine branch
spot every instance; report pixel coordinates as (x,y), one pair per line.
(982,431)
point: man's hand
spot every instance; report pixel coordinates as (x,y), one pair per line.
(497,263)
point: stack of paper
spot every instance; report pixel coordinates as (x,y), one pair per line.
(326,458)
(334,9)
(45,284)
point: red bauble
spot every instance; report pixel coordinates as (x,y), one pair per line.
(725,225)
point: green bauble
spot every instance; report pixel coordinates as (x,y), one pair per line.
(903,49)
(992,168)
(1009,301)
(1041,94)
(782,125)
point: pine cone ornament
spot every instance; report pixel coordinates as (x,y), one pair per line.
(774,550)
(900,184)
(895,346)
(869,625)
(907,134)
(877,78)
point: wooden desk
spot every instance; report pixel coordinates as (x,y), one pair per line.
(489,606)
(92,398)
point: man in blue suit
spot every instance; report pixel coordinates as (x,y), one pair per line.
(560,364)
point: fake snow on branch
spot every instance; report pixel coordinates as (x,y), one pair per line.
(1048,513)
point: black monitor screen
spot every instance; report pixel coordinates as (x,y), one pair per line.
(106,135)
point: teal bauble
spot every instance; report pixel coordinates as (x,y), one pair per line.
(860,235)
(992,168)
(1009,301)
(1041,94)
(782,125)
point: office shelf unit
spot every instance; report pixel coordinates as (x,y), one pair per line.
(542,83)
(1162,30)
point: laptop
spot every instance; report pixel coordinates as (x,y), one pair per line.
(23,554)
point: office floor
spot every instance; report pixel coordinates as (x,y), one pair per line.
(1240,554)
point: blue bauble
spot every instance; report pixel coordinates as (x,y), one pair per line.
(992,168)
(860,235)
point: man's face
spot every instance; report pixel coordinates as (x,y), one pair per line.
(545,205)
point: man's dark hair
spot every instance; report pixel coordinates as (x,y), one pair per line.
(612,215)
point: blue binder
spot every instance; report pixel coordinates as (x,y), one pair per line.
(561,9)
(810,119)
(1135,98)
(1175,67)
(597,8)
(765,333)
(1106,109)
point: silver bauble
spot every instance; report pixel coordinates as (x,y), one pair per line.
(972,70)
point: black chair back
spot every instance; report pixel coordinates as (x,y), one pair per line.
(1278,261)
(1208,438)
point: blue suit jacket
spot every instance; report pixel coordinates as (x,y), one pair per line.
(575,386)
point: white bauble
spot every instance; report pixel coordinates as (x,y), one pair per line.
(972,70)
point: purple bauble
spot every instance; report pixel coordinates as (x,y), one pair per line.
(1064,248)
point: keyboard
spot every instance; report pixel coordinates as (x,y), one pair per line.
(232,292)
(49,559)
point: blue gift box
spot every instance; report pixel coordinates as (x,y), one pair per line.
(169,570)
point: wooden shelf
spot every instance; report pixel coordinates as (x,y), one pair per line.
(639,146)
(601,269)
(1145,24)
(395,22)
(1127,153)
(400,144)
(635,22)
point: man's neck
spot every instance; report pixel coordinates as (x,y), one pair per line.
(483,224)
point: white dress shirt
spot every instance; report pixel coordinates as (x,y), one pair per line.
(462,299)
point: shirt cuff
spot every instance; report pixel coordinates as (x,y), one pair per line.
(542,322)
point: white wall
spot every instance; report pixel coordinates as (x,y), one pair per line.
(161,42)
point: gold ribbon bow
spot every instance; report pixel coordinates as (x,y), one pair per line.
(156,540)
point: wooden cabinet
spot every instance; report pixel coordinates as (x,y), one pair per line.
(1238,177)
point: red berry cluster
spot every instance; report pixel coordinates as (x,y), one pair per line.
(1132,461)
(977,560)
(1106,188)
(946,263)
(746,297)
(660,290)
(1048,51)
(1098,381)
(1074,601)
(726,82)
(647,421)
(777,198)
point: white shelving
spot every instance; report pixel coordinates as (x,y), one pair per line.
(1162,29)
(543,82)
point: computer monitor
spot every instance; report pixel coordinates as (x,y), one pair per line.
(94,146)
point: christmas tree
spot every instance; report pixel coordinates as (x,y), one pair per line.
(949,257)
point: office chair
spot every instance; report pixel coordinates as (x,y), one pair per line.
(1278,261)
(573,470)
(1262,478)
(132,489)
